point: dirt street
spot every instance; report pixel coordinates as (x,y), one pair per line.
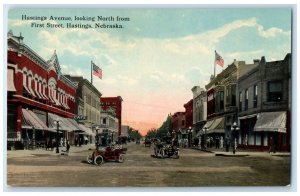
(193,169)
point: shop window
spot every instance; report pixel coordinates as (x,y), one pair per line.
(257,139)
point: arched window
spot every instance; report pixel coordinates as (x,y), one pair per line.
(52,91)
(36,81)
(25,81)
(44,88)
(30,76)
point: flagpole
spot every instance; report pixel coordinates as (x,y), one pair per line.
(91,72)
(215,65)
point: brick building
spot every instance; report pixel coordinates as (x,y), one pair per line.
(87,105)
(38,96)
(113,104)
(221,103)
(264,105)
(199,109)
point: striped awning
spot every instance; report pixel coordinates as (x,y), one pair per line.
(271,121)
(215,125)
(63,125)
(87,130)
(30,121)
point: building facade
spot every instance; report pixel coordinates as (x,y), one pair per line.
(108,127)
(87,105)
(221,106)
(113,104)
(40,99)
(264,105)
(199,110)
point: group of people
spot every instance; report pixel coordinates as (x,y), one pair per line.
(51,144)
(218,142)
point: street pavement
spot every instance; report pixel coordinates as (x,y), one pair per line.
(77,149)
(41,151)
(194,168)
(222,152)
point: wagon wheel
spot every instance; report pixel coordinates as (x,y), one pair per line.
(162,153)
(156,152)
(121,158)
(98,160)
(89,159)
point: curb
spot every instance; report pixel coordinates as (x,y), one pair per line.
(231,155)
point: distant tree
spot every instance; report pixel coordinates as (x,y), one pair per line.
(162,130)
(134,134)
(151,133)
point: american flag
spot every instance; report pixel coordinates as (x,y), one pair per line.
(97,71)
(218,59)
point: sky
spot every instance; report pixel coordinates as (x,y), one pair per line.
(160,54)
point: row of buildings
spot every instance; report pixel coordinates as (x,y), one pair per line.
(42,101)
(246,104)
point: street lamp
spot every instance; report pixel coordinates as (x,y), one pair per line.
(190,136)
(234,130)
(205,130)
(57,136)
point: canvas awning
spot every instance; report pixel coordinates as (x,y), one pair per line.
(30,120)
(10,81)
(52,118)
(87,130)
(215,126)
(271,121)
(74,123)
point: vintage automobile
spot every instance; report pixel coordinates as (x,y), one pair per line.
(166,148)
(147,142)
(108,153)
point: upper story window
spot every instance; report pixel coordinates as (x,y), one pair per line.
(233,95)
(25,82)
(221,93)
(246,99)
(255,96)
(240,101)
(275,91)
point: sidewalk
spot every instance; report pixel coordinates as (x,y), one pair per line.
(43,151)
(241,152)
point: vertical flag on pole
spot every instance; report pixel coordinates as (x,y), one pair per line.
(218,59)
(96,70)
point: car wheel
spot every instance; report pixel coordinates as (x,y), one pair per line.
(98,160)
(121,158)
(89,159)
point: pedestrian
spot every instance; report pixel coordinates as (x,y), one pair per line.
(76,141)
(272,145)
(68,146)
(227,143)
(80,141)
(217,143)
(221,142)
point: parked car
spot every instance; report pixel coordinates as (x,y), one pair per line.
(108,153)
(166,148)
(147,143)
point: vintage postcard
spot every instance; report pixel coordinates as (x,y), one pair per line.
(154,97)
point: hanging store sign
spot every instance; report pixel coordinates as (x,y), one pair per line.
(80,117)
